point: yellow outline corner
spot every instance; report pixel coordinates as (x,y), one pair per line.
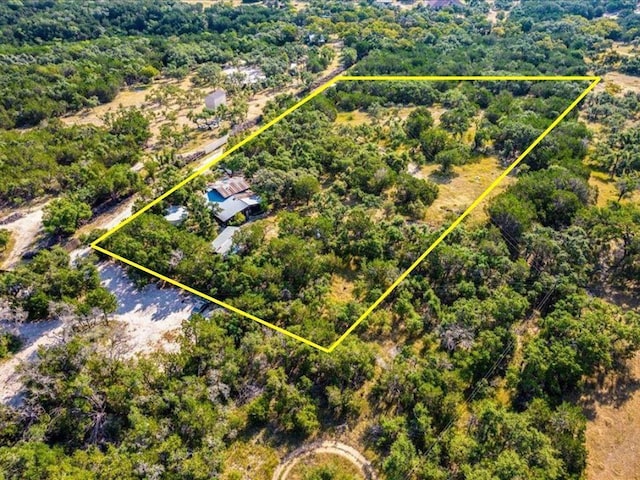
(593,79)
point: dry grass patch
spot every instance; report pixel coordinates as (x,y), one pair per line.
(607,190)
(458,192)
(319,462)
(626,82)
(133,97)
(606,187)
(341,289)
(357,117)
(6,251)
(177,106)
(245,461)
(613,430)
(271,228)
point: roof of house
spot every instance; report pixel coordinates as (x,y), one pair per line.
(230,186)
(217,95)
(176,214)
(223,242)
(234,205)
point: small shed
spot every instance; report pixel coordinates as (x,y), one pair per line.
(215,99)
(176,214)
(223,242)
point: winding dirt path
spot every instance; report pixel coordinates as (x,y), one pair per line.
(328,447)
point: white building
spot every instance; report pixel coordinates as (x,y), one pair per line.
(245,75)
(215,99)
(176,214)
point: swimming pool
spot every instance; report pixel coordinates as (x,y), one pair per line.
(214,196)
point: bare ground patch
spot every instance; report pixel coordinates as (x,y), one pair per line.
(626,82)
(25,231)
(613,429)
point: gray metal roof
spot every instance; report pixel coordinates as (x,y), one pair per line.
(223,242)
(444,3)
(216,144)
(233,205)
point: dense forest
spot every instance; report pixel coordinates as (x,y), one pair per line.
(344,208)
(470,369)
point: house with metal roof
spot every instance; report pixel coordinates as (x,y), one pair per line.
(230,186)
(245,75)
(223,243)
(233,206)
(230,196)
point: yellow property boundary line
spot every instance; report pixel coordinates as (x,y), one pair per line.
(593,79)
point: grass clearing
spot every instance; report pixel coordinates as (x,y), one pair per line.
(626,82)
(613,429)
(6,251)
(357,117)
(173,112)
(321,465)
(341,288)
(459,191)
(244,461)
(132,97)
(607,190)
(606,187)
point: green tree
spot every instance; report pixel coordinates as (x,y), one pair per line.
(305,187)
(103,300)
(432,142)
(402,460)
(450,157)
(348,56)
(64,215)
(130,123)
(417,122)
(512,216)
(627,184)
(5,236)
(148,73)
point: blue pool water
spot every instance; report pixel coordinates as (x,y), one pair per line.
(214,196)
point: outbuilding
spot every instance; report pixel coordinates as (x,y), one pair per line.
(223,242)
(176,214)
(215,99)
